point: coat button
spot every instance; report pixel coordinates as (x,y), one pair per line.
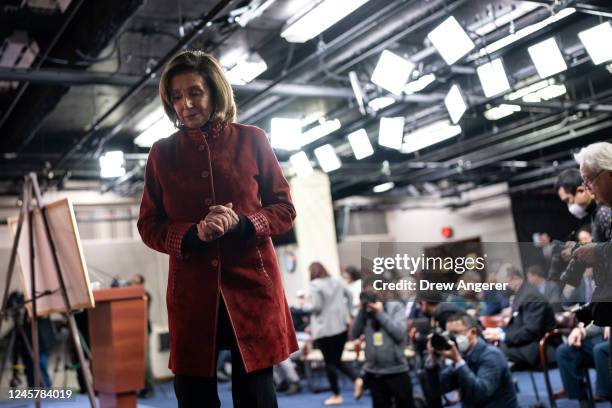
(208,201)
(204,174)
(201,148)
(215,263)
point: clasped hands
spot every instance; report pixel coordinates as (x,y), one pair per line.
(219,221)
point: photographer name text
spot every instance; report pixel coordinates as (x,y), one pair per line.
(423,284)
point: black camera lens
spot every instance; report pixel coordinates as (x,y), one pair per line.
(440,341)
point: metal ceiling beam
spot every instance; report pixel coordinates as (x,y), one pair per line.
(41,60)
(350,47)
(84,78)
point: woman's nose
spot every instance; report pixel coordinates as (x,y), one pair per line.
(188,102)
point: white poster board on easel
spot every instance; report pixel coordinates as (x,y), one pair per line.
(65,236)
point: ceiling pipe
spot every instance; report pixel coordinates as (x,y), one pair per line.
(84,78)
(39,62)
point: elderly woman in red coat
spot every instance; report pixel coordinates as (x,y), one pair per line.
(214,195)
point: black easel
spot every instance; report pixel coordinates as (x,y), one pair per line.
(30,192)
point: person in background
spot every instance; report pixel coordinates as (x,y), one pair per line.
(532,317)
(550,290)
(149,390)
(286,376)
(329,302)
(300,317)
(585,347)
(352,277)
(468,300)
(581,204)
(584,235)
(384,327)
(479,371)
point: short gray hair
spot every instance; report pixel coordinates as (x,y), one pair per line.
(597,156)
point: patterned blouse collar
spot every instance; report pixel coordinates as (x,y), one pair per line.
(210,129)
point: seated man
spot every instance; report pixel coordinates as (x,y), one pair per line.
(551,291)
(479,370)
(585,347)
(532,316)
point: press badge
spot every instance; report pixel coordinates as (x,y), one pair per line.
(378,339)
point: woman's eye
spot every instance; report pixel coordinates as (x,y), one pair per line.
(176,97)
(195,93)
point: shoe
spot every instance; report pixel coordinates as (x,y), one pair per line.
(146,393)
(598,398)
(294,388)
(333,400)
(560,394)
(222,377)
(282,387)
(358,388)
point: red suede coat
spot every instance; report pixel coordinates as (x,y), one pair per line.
(185,174)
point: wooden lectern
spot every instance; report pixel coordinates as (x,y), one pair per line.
(117,331)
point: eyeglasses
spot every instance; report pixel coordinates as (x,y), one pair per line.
(589,182)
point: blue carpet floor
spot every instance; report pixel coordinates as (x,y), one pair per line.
(164,396)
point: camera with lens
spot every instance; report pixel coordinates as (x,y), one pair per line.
(440,341)
(567,272)
(584,313)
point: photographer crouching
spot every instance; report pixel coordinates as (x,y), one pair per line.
(384,326)
(479,370)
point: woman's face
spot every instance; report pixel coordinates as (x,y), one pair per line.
(191,99)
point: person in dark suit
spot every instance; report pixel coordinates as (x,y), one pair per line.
(479,370)
(551,291)
(532,317)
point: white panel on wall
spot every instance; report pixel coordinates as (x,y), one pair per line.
(314,226)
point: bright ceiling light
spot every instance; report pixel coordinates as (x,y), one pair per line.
(493,78)
(360,143)
(418,85)
(451,40)
(318,19)
(150,119)
(392,72)
(598,42)
(301,164)
(112,164)
(158,130)
(513,96)
(429,135)
(381,188)
(391,132)
(538,92)
(319,131)
(252,11)
(547,58)
(526,31)
(455,104)
(381,102)
(246,69)
(327,157)
(501,111)
(546,94)
(286,133)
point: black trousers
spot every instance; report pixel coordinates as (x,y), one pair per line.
(392,390)
(331,348)
(249,390)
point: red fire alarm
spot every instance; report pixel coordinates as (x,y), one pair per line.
(447,232)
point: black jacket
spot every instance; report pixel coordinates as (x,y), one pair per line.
(532,317)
